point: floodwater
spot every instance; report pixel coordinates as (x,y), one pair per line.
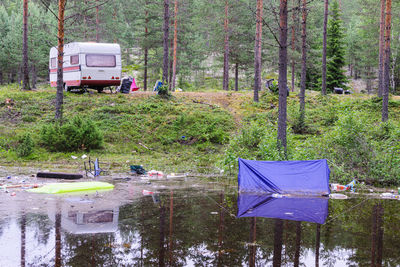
(192,222)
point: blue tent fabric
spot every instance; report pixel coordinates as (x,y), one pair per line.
(309,209)
(310,177)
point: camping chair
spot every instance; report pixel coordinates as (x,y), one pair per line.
(93,167)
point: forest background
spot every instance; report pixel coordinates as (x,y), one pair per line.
(337,129)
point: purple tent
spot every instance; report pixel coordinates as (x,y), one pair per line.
(309,177)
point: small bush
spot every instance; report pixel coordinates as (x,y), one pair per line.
(75,134)
(25,145)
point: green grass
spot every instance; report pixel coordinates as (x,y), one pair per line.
(201,133)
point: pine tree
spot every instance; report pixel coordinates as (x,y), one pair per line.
(335,50)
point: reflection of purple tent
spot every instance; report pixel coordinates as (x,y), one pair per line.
(309,177)
(287,208)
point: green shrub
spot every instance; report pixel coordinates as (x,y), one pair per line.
(25,145)
(76,134)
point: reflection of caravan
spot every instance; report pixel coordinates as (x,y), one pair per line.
(87,65)
(86,218)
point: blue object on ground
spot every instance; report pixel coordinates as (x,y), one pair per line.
(157,85)
(288,208)
(309,177)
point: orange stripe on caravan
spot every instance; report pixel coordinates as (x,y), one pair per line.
(66,69)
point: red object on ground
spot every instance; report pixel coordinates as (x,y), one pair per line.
(134,86)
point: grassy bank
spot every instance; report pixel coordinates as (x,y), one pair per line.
(201,132)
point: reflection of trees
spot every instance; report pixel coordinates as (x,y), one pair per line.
(192,226)
(23,238)
(277,260)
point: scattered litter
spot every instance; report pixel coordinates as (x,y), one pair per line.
(155,173)
(389,196)
(147,193)
(351,185)
(59,175)
(8,177)
(277,196)
(371,190)
(338,187)
(74,157)
(84,156)
(137,169)
(338,196)
(13,194)
(214,213)
(177,175)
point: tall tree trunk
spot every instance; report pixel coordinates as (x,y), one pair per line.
(257,50)
(253,235)
(165,41)
(34,75)
(60,58)
(278,233)
(282,82)
(171,216)
(296,261)
(381,48)
(225,83)
(146,50)
(97,22)
(323,89)
(303,60)
(317,244)
(236,76)
(373,235)
(293,43)
(25,64)
(379,237)
(175,45)
(161,255)
(386,78)
(221,228)
(23,238)
(171,62)
(58,239)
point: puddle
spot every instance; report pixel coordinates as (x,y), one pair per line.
(176,224)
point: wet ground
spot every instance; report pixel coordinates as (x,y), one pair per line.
(191,221)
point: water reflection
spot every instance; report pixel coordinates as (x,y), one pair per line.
(86,220)
(199,228)
(287,208)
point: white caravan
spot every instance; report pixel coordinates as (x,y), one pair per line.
(87,65)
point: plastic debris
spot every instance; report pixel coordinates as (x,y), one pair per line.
(84,156)
(277,195)
(137,169)
(338,196)
(214,213)
(13,194)
(155,173)
(389,196)
(8,177)
(74,157)
(147,193)
(176,175)
(351,185)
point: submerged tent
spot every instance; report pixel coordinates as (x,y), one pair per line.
(309,177)
(309,209)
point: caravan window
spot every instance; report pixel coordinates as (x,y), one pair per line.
(53,62)
(100,61)
(74,60)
